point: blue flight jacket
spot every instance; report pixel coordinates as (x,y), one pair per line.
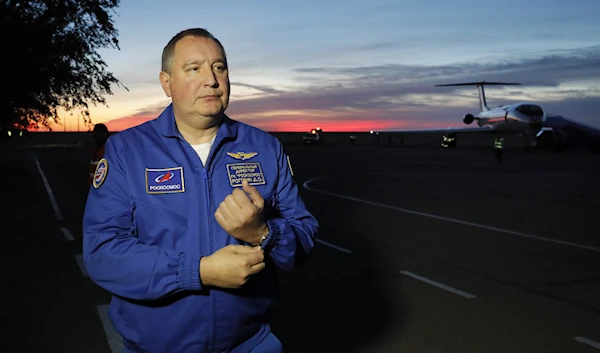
(149,218)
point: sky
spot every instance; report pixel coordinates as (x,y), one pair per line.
(364,65)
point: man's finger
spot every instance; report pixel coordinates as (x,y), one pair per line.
(232,203)
(255,258)
(255,196)
(242,198)
(230,207)
(257,268)
(245,249)
(219,217)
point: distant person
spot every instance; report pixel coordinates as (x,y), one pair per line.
(101,134)
(499,147)
(190,216)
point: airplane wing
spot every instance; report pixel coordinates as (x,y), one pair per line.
(484,129)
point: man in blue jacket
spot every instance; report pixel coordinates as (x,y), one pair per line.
(191,213)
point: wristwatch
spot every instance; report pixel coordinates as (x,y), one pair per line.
(262,239)
(268,241)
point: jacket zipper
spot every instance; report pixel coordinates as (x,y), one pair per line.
(211,343)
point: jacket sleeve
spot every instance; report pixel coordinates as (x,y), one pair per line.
(292,229)
(115,258)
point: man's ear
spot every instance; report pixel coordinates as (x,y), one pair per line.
(165,82)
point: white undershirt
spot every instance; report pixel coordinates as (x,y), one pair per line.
(203,150)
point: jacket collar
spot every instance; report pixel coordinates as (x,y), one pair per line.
(165,125)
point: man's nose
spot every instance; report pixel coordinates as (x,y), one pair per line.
(209,78)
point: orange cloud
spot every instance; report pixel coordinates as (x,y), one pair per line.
(123,123)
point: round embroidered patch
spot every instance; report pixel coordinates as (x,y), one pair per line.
(101,171)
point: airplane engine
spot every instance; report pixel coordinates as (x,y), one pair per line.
(468,118)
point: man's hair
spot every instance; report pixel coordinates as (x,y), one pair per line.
(169,50)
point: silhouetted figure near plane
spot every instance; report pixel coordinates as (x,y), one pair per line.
(101,134)
(499,147)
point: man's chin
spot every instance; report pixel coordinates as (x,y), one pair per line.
(213,114)
(211,111)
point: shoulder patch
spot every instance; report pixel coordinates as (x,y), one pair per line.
(101,171)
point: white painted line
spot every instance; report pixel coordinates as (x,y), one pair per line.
(81,265)
(290,165)
(334,246)
(57,212)
(67,234)
(443,286)
(506,231)
(115,342)
(588,342)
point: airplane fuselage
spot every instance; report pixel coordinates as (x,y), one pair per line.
(519,117)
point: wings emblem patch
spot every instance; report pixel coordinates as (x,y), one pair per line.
(243,156)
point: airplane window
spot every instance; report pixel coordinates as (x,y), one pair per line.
(531,110)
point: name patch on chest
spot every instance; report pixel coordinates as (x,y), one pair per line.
(164,181)
(250,171)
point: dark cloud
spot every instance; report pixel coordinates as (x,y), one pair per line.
(264,89)
(545,69)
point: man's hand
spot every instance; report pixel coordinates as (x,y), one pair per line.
(231,266)
(240,214)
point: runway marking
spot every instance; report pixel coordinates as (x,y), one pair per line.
(439,285)
(115,342)
(67,234)
(588,341)
(81,265)
(334,246)
(55,207)
(524,235)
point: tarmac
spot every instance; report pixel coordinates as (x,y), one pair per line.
(420,249)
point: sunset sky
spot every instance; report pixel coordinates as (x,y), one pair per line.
(365,65)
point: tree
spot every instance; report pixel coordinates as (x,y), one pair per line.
(51,60)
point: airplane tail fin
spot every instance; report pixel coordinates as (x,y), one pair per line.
(482,102)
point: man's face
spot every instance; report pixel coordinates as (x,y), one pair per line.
(199,80)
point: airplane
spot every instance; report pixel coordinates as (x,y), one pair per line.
(524,118)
